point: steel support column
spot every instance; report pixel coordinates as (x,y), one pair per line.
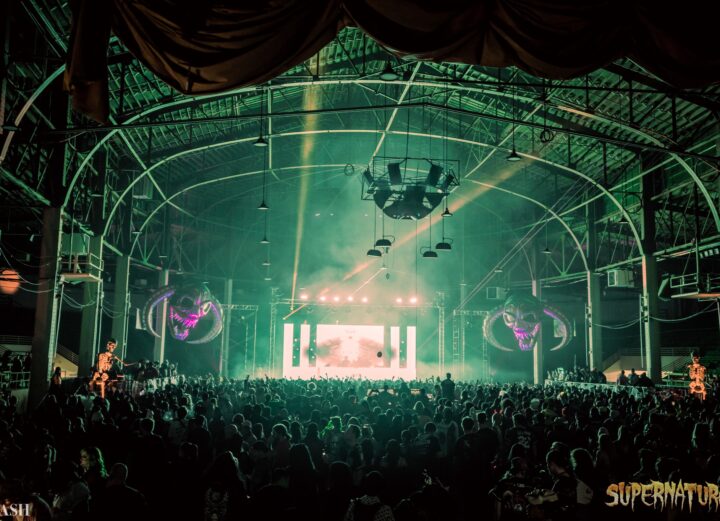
(594,291)
(49,297)
(440,302)
(651,328)
(91,312)
(225,341)
(121,303)
(44,342)
(161,319)
(272,337)
(538,368)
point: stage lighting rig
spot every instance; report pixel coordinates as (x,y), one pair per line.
(408,187)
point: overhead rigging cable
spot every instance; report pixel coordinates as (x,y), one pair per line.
(617,326)
(706,310)
(625,325)
(16,271)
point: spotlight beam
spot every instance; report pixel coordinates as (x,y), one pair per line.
(310,103)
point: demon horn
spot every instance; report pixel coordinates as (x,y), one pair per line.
(160,294)
(564,326)
(217,324)
(488,328)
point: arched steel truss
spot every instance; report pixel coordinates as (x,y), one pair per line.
(128,189)
(569,110)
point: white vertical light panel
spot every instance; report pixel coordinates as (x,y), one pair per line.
(411,351)
(304,345)
(288,330)
(395,347)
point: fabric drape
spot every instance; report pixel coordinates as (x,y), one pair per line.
(202,47)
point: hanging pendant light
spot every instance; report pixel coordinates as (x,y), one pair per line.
(388,73)
(429,253)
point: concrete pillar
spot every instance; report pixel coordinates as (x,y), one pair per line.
(91,313)
(538,366)
(650,303)
(44,342)
(225,341)
(121,304)
(594,292)
(161,319)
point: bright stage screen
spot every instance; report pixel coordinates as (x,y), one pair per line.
(349,346)
(347,350)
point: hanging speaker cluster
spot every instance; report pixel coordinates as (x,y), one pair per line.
(408,188)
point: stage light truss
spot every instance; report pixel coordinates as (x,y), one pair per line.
(409,187)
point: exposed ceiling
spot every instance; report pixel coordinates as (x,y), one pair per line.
(176,179)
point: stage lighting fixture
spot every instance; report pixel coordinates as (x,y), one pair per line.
(623,220)
(513,156)
(364,299)
(336,299)
(430,254)
(261,142)
(413,300)
(264,240)
(434,175)
(443,246)
(263,206)
(374,253)
(323,298)
(383,243)
(266,263)
(388,73)
(350,298)
(398,300)
(446,213)
(394,173)
(303,297)
(268,277)
(546,251)
(369,179)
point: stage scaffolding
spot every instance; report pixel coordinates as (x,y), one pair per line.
(459,344)
(250,321)
(275,353)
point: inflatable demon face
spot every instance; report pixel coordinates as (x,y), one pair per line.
(187,306)
(523,314)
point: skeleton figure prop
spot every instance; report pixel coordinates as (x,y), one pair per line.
(523,314)
(186,307)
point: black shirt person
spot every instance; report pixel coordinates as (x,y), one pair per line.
(448,388)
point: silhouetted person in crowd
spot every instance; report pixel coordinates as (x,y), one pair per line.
(633,378)
(370,506)
(622,378)
(117,501)
(448,387)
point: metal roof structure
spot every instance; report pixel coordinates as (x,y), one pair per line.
(174,176)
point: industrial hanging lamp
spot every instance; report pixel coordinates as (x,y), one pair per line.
(261,141)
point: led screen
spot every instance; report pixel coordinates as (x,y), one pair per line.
(346,350)
(349,346)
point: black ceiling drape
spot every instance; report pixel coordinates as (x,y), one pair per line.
(202,47)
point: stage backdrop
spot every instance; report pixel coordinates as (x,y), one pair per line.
(340,350)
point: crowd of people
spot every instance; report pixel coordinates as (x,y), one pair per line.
(577,374)
(14,369)
(212,449)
